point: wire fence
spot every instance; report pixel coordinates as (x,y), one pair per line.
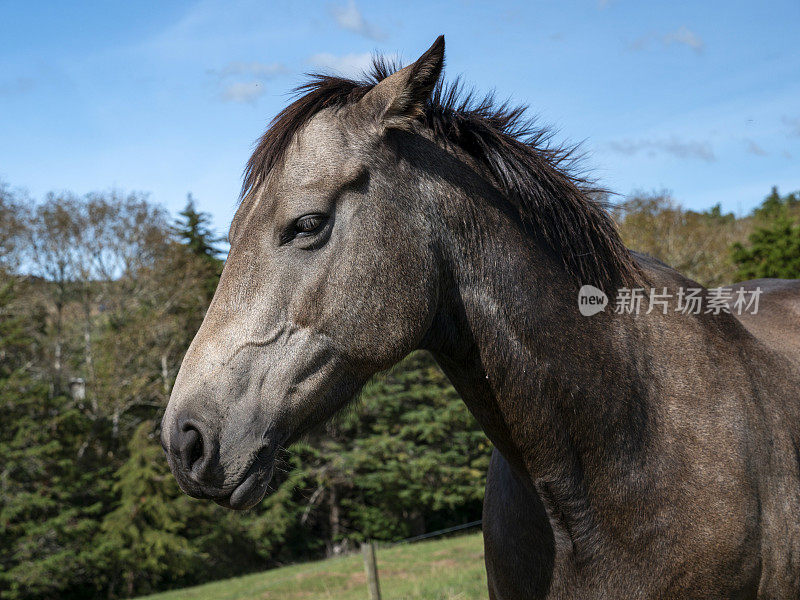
(432,534)
(368,551)
(370,561)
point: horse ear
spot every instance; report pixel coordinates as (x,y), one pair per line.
(401,97)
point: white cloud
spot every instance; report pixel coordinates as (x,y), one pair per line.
(793,124)
(673,146)
(348,64)
(754,148)
(253,68)
(242,91)
(687,37)
(244,81)
(683,36)
(349,17)
(641,43)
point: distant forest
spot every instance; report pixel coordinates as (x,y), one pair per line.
(100,296)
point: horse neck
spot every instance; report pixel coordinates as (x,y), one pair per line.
(559,394)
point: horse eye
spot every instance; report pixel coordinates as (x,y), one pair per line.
(308,223)
(305,226)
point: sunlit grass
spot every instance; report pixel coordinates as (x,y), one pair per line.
(448,569)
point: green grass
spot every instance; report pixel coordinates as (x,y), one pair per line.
(447,569)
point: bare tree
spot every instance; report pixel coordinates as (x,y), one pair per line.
(90,252)
(695,243)
(54,231)
(12,227)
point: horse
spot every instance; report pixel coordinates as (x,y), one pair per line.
(638,454)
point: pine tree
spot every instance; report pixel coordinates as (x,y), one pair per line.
(775,206)
(193,231)
(88,508)
(410,458)
(140,544)
(774,247)
(48,501)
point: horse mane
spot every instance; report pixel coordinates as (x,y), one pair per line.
(541,180)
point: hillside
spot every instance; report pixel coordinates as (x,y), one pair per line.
(448,569)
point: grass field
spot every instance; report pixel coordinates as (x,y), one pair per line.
(448,569)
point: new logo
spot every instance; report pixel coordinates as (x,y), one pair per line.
(591,300)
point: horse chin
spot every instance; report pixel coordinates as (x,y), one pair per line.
(252,488)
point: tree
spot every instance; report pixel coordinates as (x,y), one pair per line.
(88,508)
(48,507)
(12,227)
(140,544)
(193,230)
(775,206)
(695,243)
(409,459)
(773,249)
(53,230)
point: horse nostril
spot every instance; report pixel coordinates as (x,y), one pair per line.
(194,455)
(191,447)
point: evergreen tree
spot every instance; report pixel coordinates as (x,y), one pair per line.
(774,247)
(48,499)
(140,544)
(773,251)
(193,230)
(775,206)
(88,508)
(409,459)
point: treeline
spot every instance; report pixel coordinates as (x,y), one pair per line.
(712,247)
(99,298)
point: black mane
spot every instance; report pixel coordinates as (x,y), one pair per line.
(539,178)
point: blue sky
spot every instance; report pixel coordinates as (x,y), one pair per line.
(701,98)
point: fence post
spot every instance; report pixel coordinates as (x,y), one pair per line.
(371,566)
